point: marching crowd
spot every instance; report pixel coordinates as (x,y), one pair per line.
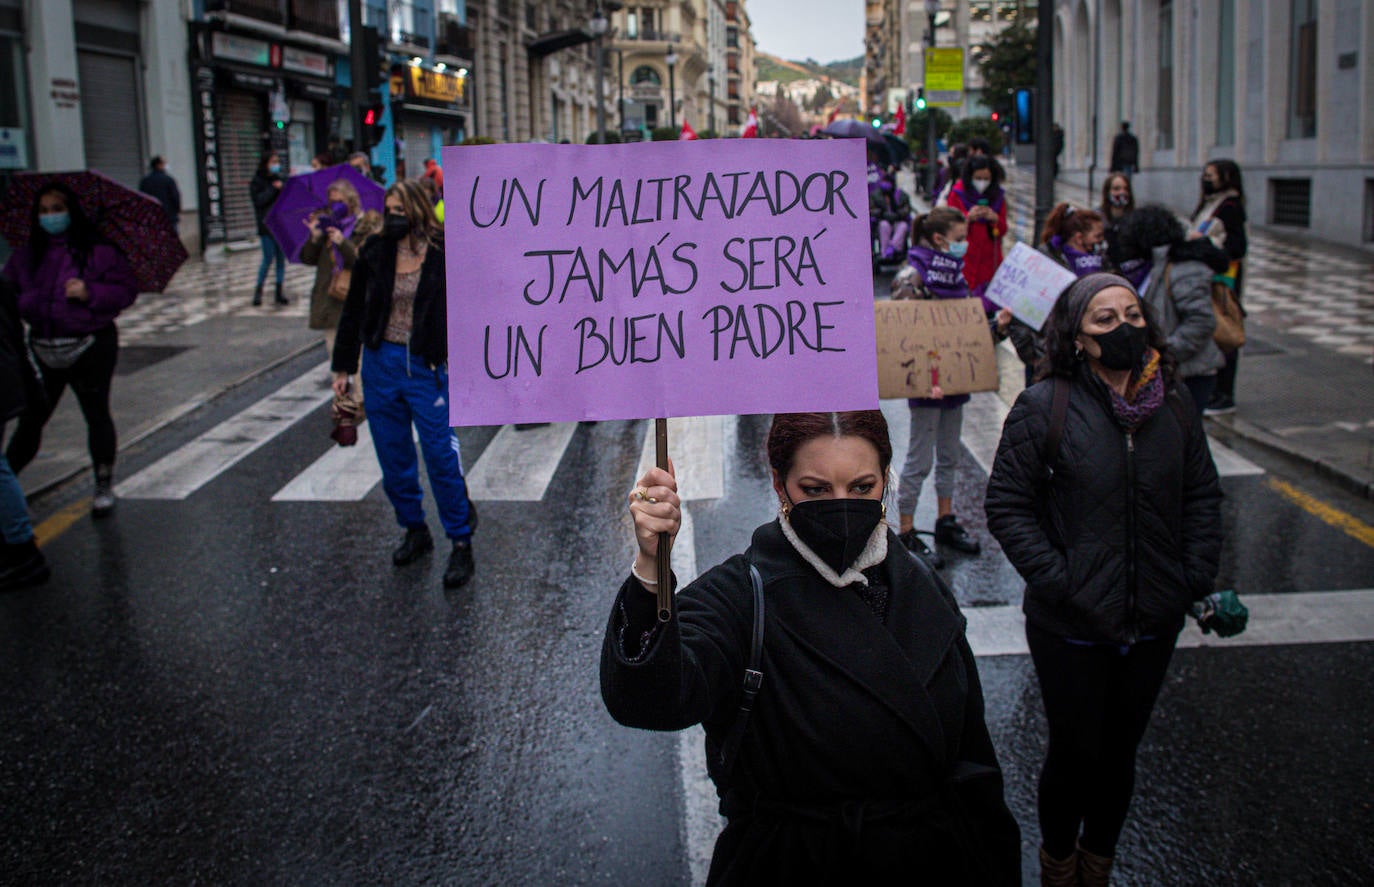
(866,754)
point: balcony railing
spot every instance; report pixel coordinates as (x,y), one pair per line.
(454,39)
(271,11)
(316,17)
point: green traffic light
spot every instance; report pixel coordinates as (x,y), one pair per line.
(920,104)
(877,122)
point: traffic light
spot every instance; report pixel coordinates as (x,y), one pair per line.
(372,58)
(921,99)
(373,128)
(996,116)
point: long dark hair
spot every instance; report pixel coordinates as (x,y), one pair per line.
(1061,357)
(973,165)
(263,162)
(790,430)
(81,235)
(1107,194)
(1229,173)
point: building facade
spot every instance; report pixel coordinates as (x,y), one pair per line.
(1283,87)
(971,24)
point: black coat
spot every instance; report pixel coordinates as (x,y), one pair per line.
(264,194)
(850,770)
(368,307)
(163,187)
(21,389)
(1125,534)
(1125,152)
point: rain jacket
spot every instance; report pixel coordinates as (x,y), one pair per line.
(43,301)
(1118,540)
(867,757)
(984,239)
(1183,309)
(264,194)
(325,310)
(368,307)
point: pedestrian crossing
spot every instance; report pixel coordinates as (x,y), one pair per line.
(517,465)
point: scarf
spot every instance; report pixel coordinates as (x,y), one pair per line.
(1080,263)
(1144,395)
(1136,271)
(875,552)
(346,223)
(1208,209)
(940,273)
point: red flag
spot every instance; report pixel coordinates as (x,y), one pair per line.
(688,134)
(751,126)
(833,114)
(900,128)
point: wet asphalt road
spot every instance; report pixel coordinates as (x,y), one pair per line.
(229,690)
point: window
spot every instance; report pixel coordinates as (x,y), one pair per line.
(980,10)
(732,38)
(1164,108)
(645,74)
(1226,73)
(1302,68)
(646,23)
(1290,202)
(631,25)
(531,16)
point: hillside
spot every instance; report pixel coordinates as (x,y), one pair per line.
(770,67)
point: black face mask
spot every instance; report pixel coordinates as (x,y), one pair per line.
(395,227)
(1209,188)
(837,530)
(1123,347)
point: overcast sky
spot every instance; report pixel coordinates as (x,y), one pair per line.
(826,30)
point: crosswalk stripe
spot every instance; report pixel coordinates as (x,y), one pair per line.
(517,466)
(696,444)
(342,474)
(187,469)
(1313,617)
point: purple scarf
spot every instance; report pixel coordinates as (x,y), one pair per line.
(346,221)
(1143,397)
(940,273)
(1136,270)
(1080,263)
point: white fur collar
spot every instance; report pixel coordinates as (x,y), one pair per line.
(875,552)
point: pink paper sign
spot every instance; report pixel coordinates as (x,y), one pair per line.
(660,279)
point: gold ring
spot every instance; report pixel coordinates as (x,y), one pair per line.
(641,494)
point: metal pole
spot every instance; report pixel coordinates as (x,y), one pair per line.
(1097,93)
(672,95)
(1044,113)
(711,81)
(620,91)
(930,124)
(600,95)
(357,63)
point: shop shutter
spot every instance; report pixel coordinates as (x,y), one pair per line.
(111,119)
(417,135)
(241,117)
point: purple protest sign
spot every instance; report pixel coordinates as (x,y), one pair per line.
(662,279)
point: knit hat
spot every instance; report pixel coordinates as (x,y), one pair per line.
(1076,298)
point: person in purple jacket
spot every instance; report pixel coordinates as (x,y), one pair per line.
(72,284)
(935,270)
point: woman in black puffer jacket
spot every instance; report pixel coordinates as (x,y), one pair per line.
(1117,531)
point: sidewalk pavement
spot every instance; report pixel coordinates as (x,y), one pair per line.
(1304,390)
(1305,387)
(179,350)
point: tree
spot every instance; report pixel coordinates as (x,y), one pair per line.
(821,99)
(1008,65)
(781,115)
(977,128)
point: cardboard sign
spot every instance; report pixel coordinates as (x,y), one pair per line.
(1029,283)
(922,342)
(659,279)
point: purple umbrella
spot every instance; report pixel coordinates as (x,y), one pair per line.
(308,193)
(134,222)
(850,128)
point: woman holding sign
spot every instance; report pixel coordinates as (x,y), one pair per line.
(861,753)
(935,271)
(396,310)
(1104,497)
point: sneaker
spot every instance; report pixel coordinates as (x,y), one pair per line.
(917,546)
(460,564)
(103,500)
(417,542)
(948,532)
(23,566)
(1220,404)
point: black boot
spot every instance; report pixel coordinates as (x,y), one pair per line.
(279,298)
(948,532)
(22,566)
(257,296)
(417,542)
(460,565)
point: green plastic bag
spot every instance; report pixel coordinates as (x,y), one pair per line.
(1222,612)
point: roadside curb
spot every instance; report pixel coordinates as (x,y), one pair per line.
(180,411)
(1230,428)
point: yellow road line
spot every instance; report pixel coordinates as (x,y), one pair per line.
(61,521)
(1348,524)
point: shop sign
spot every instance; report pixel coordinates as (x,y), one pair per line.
(252,81)
(65,93)
(241,49)
(436,86)
(650,91)
(304,62)
(13,154)
(207,134)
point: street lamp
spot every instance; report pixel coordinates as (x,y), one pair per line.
(671,59)
(711,83)
(597,27)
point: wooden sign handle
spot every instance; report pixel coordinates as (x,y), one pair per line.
(662,561)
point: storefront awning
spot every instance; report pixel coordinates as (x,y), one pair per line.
(547,44)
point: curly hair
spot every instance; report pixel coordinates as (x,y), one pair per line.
(1140,231)
(790,430)
(1062,356)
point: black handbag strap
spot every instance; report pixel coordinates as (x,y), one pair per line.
(753,680)
(1059,411)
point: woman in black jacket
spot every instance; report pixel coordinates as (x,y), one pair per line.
(1220,217)
(1116,528)
(866,758)
(264,189)
(396,310)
